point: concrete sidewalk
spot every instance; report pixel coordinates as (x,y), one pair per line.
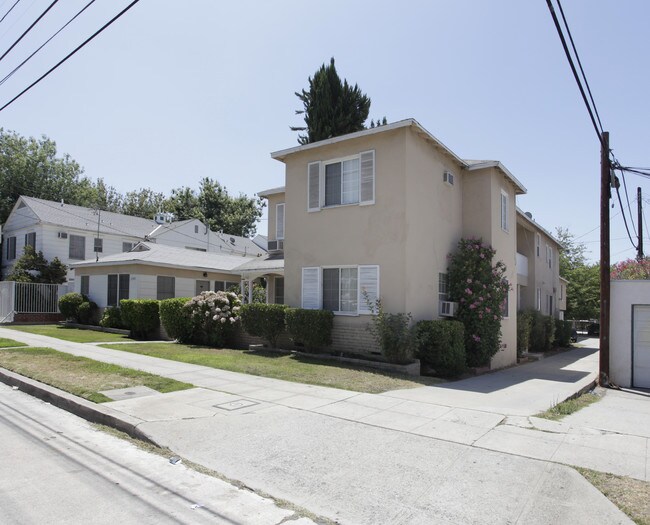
(399,457)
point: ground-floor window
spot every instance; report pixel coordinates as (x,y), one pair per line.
(118,288)
(165,287)
(343,290)
(279,290)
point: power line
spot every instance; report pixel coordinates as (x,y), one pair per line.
(629,208)
(45,43)
(575,73)
(29,29)
(69,55)
(618,193)
(10,10)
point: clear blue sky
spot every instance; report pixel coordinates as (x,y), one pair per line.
(176,91)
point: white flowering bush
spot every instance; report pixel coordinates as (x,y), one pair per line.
(213,316)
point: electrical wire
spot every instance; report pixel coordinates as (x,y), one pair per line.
(29,29)
(575,73)
(45,43)
(10,10)
(629,208)
(69,55)
(618,193)
(582,71)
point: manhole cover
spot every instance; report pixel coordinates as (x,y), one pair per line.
(236,405)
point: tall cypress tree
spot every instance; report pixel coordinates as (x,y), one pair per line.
(331,107)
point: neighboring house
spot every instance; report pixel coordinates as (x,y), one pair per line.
(75,233)
(156,271)
(539,286)
(375,214)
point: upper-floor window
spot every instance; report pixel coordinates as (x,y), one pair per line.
(11,248)
(77,249)
(443,287)
(341,181)
(30,240)
(98,246)
(127,246)
(549,255)
(538,243)
(538,301)
(279,221)
(504,211)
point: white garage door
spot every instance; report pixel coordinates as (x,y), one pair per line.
(641,347)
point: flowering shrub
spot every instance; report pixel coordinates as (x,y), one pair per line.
(631,269)
(481,290)
(213,316)
(392,332)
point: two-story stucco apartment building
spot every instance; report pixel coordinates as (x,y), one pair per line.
(379,211)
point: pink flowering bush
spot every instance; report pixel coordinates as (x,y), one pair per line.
(213,316)
(632,269)
(481,290)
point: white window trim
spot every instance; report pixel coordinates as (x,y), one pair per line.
(504,220)
(319,287)
(279,237)
(321,181)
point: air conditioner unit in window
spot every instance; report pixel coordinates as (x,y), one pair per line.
(448,309)
(62,235)
(448,177)
(274,246)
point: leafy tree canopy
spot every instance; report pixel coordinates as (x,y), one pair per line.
(32,267)
(330,107)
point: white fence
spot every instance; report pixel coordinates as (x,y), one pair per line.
(32,298)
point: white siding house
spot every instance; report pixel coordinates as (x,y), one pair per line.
(74,233)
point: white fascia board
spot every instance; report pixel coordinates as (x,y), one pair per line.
(536,226)
(272,191)
(93,264)
(497,164)
(410,122)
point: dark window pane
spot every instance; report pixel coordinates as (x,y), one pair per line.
(77,247)
(111,295)
(85,284)
(124,286)
(218,286)
(331,289)
(279,290)
(333,184)
(165,287)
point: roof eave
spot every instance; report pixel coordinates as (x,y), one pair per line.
(519,187)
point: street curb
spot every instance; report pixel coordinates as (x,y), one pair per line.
(78,406)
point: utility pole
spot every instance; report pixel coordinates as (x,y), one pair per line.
(605,196)
(639,205)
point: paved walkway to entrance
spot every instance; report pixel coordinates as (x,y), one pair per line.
(327,448)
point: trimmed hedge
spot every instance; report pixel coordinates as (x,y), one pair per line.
(440,345)
(542,332)
(69,305)
(87,312)
(524,328)
(311,328)
(112,318)
(141,316)
(264,320)
(563,333)
(175,319)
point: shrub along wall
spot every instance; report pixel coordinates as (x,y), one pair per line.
(141,317)
(440,345)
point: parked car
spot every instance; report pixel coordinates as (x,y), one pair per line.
(593,329)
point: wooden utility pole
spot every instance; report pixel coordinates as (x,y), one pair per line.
(639,207)
(605,196)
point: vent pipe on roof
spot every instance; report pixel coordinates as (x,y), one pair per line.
(529,215)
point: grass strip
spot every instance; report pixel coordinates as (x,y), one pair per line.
(74,335)
(288,367)
(4,343)
(80,376)
(569,406)
(630,495)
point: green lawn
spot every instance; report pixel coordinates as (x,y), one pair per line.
(4,343)
(76,335)
(78,375)
(280,366)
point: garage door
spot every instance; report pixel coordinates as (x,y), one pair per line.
(641,347)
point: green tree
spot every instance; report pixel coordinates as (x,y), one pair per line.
(330,107)
(184,204)
(31,167)
(32,267)
(583,289)
(143,203)
(223,212)
(105,197)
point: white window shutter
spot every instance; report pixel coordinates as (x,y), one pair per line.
(368,282)
(367,179)
(279,221)
(311,298)
(313,175)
